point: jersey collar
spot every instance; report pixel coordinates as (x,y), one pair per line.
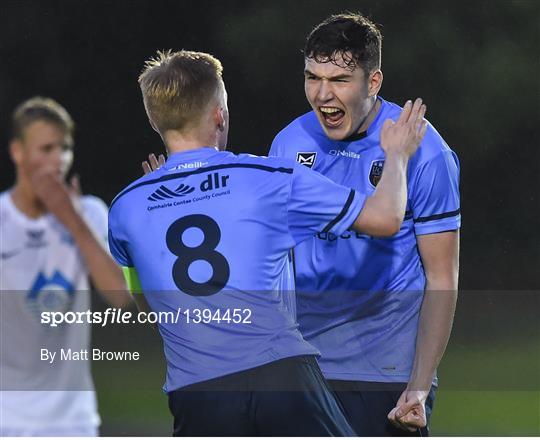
(198,154)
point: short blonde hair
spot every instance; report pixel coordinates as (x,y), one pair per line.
(178,86)
(39,108)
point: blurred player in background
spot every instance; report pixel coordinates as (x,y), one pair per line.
(51,241)
(209,234)
(379,310)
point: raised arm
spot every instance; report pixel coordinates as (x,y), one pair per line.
(105,274)
(383,212)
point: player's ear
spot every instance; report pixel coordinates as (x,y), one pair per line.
(153,125)
(375,82)
(219,117)
(16,151)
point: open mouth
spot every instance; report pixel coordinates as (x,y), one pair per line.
(332,116)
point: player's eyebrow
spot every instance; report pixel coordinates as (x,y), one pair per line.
(308,72)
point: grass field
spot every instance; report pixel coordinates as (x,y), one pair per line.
(487,413)
(489,391)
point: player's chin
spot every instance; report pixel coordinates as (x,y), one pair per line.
(336,133)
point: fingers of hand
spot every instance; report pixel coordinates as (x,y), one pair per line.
(44,178)
(422,113)
(75,185)
(389,123)
(415,111)
(153,161)
(413,419)
(407,407)
(392,414)
(146,167)
(404,116)
(393,419)
(422,129)
(161,160)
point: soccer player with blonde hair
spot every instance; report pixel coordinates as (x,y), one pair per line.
(208,236)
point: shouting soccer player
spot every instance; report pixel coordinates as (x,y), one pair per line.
(207,237)
(51,240)
(379,310)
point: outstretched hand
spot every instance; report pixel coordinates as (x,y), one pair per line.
(409,413)
(153,163)
(404,135)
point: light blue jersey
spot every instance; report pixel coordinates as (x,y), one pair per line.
(213,231)
(359,297)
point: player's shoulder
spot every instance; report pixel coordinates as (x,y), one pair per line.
(5,207)
(95,212)
(128,190)
(268,163)
(304,128)
(432,146)
(91,203)
(390,110)
(4,199)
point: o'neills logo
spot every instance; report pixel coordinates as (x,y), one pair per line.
(188,166)
(344,153)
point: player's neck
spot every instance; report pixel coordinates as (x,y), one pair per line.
(25,199)
(177,142)
(370,117)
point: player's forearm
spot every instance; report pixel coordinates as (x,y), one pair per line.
(434,328)
(383,212)
(105,274)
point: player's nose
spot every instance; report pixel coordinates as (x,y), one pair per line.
(324,92)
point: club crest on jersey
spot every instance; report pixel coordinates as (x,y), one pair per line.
(375,172)
(50,294)
(36,238)
(307,159)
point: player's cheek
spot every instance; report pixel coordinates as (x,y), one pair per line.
(66,160)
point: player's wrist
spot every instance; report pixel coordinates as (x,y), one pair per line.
(421,386)
(74,222)
(398,156)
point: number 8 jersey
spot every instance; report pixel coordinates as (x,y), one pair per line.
(209,235)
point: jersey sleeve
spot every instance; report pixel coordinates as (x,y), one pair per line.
(275,148)
(435,198)
(118,246)
(316,204)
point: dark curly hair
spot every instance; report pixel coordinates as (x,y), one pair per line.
(348,35)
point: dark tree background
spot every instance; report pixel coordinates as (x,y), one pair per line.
(475,63)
